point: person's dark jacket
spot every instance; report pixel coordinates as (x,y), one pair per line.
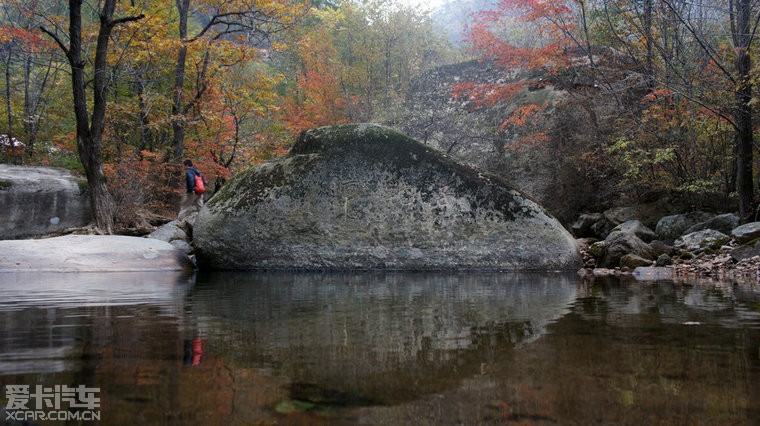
(190,174)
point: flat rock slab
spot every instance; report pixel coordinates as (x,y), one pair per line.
(91,253)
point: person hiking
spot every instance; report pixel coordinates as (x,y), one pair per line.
(192,201)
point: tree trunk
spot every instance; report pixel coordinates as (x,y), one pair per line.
(178,119)
(8,105)
(89,135)
(743,112)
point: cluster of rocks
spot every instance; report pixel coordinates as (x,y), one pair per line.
(690,244)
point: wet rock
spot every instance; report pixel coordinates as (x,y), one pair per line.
(700,240)
(91,253)
(368,197)
(669,228)
(747,232)
(40,200)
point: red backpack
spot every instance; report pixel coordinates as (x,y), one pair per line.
(200,188)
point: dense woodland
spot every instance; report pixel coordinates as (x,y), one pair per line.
(123,91)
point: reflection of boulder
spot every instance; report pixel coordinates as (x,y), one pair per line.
(32,342)
(55,290)
(368,197)
(378,332)
(40,200)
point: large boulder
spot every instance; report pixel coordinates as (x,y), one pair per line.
(367,197)
(40,200)
(91,253)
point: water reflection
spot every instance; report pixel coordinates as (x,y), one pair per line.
(389,337)
(243,348)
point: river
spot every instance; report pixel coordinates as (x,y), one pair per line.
(376,348)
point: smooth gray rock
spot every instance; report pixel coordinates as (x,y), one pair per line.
(747,232)
(745,252)
(671,227)
(697,241)
(91,253)
(40,200)
(724,223)
(367,197)
(637,228)
(170,232)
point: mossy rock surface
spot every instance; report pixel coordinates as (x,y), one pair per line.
(369,197)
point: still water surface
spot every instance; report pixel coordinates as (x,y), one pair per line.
(386,348)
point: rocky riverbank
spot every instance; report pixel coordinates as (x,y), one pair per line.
(685,246)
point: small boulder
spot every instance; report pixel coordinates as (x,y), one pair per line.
(637,228)
(669,228)
(724,223)
(747,232)
(664,260)
(581,228)
(632,261)
(745,252)
(170,232)
(619,244)
(700,240)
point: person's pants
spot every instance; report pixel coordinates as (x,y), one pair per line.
(191,203)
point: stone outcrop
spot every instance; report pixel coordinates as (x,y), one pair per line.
(575,114)
(91,253)
(367,197)
(40,200)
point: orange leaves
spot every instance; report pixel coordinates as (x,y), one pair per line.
(318,100)
(28,39)
(520,116)
(487,95)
